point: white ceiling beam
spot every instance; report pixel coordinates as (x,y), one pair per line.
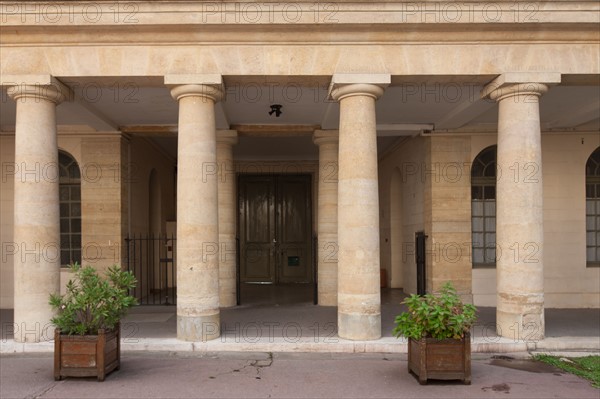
(463,113)
(88,115)
(575,117)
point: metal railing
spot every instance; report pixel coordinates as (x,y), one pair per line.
(152,259)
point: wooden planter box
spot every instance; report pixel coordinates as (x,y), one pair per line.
(87,355)
(448,359)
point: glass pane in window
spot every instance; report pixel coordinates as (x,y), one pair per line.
(77,256)
(76,225)
(489,192)
(490,208)
(590,238)
(477,224)
(478,240)
(590,223)
(75,209)
(490,224)
(64,193)
(490,240)
(74,171)
(591,254)
(590,207)
(64,225)
(476,192)
(490,255)
(477,208)
(64,241)
(64,257)
(64,210)
(490,169)
(478,255)
(75,193)
(63,159)
(76,241)
(477,168)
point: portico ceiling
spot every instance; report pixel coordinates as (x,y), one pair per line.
(146,108)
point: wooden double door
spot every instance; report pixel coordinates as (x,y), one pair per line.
(275,224)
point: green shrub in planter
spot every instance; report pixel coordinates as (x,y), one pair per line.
(437,327)
(92,302)
(441,316)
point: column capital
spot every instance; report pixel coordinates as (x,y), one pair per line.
(326,137)
(39,87)
(205,85)
(520,84)
(227,137)
(212,92)
(345,85)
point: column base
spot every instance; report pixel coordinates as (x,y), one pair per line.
(521,327)
(359,327)
(198,328)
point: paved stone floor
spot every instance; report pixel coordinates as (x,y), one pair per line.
(196,373)
(284,319)
(286,375)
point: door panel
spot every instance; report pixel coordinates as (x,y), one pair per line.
(294,238)
(275,226)
(257,226)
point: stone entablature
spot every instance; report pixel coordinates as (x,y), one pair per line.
(136,40)
(269,12)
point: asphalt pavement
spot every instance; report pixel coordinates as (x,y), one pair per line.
(286,375)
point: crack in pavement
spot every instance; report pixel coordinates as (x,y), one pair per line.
(257,364)
(260,364)
(43,391)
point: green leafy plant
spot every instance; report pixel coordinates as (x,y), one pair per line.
(441,315)
(93,302)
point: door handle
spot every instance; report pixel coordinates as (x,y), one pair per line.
(274,247)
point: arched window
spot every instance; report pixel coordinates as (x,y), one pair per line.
(483,208)
(592,208)
(70,209)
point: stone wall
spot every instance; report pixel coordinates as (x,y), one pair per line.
(428,179)
(401,168)
(568,283)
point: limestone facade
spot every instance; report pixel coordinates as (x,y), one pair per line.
(163,113)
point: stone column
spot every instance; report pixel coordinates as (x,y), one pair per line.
(227,217)
(359,299)
(519,210)
(198,317)
(327,140)
(36,212)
